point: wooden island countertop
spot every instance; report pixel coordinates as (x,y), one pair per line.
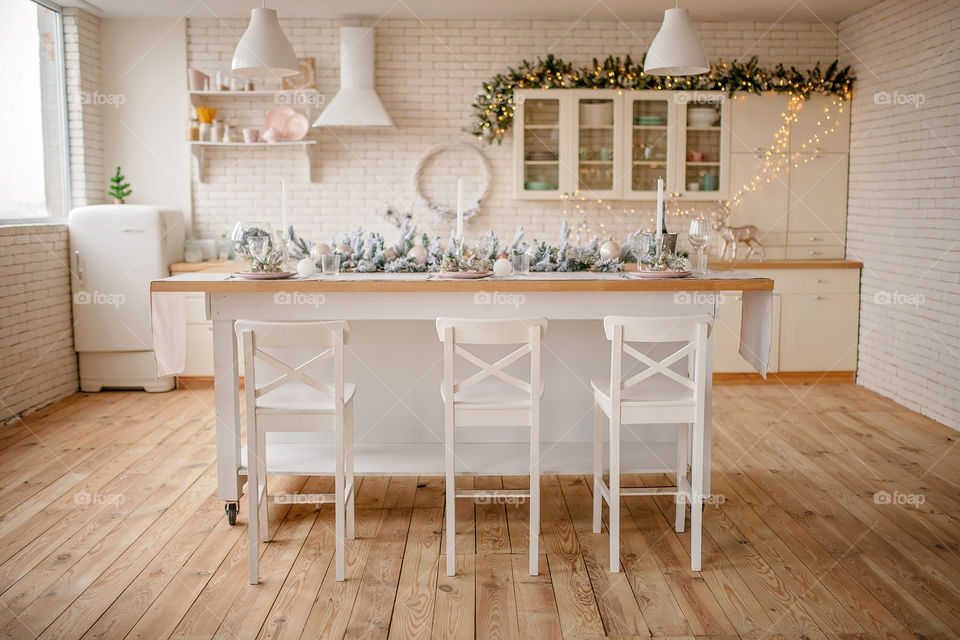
(218,282)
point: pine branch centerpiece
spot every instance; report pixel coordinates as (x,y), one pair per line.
(494,105)
(118,188)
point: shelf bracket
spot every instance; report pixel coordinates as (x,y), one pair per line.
(197,152)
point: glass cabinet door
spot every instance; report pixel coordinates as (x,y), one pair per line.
(650,143)
(704,146)
(596,135)
(541,146)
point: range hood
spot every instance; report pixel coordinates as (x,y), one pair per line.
(357,103)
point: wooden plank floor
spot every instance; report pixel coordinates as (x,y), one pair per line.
(835,516)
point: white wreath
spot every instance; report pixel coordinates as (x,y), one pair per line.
(445,213)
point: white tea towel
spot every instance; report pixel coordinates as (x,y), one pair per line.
(756,319)
(168,322)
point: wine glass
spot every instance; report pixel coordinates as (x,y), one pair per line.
(699,238)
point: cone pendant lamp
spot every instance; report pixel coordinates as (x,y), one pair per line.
(263,49)
(676,49)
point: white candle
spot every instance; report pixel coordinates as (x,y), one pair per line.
(659,228)
(460,209)
(283,217)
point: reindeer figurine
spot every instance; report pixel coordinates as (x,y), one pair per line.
(733,236)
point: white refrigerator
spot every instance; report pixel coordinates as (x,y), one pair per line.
(115,251)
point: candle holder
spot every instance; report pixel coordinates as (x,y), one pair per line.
(650,250)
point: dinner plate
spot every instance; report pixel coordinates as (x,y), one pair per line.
(296,126)
(277,117)
(464,275)
(658,274)
(265,275)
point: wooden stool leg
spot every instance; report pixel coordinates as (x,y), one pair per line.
(683,445)
(263,498)
(614,493)
(340,499)
(597,466)
(696,502)
(253,504)
(348,436)
(535,494)
(451,498)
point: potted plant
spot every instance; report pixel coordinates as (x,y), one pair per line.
(118,188)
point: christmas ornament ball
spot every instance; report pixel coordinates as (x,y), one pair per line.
(321,249)
(502,267)
(418,254)
(345,250)
(610,250)
(306,268)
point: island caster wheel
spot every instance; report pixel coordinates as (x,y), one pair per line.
(231,509)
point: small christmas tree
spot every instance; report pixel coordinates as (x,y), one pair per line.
(118,188)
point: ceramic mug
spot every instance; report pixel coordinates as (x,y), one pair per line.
(251,135)
(198,81)
(696,156)
(693,186)
(272,135)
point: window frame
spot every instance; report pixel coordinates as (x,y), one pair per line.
(66,183)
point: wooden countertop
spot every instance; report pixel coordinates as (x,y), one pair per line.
(787,264)
(211,282)
(217,266)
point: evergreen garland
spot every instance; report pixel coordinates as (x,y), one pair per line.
(494,105)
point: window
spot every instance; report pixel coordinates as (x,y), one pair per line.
(34,179)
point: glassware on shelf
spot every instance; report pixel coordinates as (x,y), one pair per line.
(699,238)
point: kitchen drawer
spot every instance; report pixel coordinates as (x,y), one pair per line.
(818,332)
(726,336)
(826,252)
(816,281)
(813,239)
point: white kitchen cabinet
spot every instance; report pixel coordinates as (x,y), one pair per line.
(818,195)
(703,147)
(540,146)
(612,144)
(822,124)
(755,121)
(815,322)
(766,207)
(199,360)
(651,152)
(726,336)
(818,331)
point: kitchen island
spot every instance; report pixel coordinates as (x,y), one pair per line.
(395,358)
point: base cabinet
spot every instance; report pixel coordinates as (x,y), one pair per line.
(816,322)
(818,332)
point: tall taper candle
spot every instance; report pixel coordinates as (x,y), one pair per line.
(460,210)
(283,220)
(659,229)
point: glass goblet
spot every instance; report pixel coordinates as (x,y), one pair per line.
(699,238)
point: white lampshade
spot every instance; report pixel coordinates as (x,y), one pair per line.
(676,50)
(263,49)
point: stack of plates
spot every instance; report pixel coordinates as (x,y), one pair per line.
(541,155)
(650,121)
(539,186)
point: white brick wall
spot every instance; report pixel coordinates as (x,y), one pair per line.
(37,361)
(81,36)
(427,73)
(904,205)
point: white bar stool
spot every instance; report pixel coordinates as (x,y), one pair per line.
(287,354)
(670,398)
(491,397)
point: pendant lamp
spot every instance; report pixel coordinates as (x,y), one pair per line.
(264,49)
(676,50)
